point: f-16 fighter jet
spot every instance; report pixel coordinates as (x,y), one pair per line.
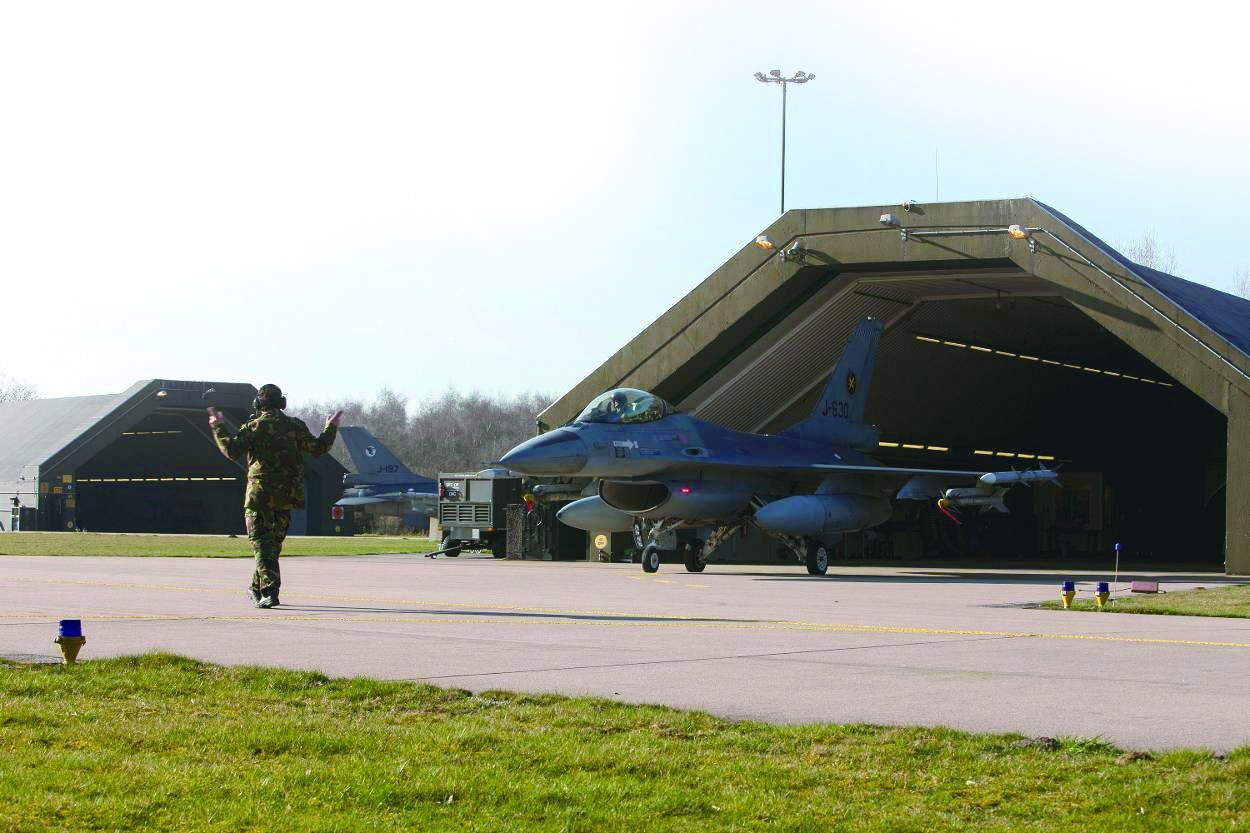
(382,484)
(660,470)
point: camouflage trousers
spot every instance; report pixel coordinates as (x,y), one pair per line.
(266,529)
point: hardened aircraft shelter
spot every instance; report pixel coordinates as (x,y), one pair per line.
(1013,338)
(139,461)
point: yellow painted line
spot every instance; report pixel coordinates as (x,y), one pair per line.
(334,597)
(664,581)
(631,619)
(667,622)
(701,586)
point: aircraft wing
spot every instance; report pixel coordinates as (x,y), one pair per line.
(898,471)
(389,497)
(914,481)
(363,501)
(787,467)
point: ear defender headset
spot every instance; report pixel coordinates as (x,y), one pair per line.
(269,398)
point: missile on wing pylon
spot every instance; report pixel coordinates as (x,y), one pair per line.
(1008,478)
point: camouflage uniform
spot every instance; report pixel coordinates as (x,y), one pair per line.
(274,444)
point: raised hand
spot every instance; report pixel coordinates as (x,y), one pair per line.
(214,417)
(334,419)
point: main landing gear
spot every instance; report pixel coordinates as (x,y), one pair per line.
(816,557)
(810,552)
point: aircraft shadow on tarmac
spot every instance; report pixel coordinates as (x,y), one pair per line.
(1044,579)
(513,614)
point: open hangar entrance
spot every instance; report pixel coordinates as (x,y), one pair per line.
(142,461)
(992,369)
(999,352)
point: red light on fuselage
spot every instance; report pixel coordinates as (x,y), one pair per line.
(685,490)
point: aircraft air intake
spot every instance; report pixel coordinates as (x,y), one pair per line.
(634,498)
(687,500)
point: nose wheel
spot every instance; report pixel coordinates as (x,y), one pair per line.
(650,558)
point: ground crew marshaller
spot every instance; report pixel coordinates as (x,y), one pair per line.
(275,445)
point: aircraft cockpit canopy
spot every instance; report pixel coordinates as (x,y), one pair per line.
(625,405)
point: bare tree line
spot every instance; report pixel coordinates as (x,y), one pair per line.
(452,432)
(12,390)
(1145,251)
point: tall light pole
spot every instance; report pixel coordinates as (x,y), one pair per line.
(774,76)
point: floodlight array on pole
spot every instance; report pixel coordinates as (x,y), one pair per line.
(774,76)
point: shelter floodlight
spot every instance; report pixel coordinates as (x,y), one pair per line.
(888,220)
(1017,231)
(775,73)
(762,242)
(759,76)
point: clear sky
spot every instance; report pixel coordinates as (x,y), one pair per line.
(341,197)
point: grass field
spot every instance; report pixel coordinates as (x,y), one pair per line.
(1230,600)
(197,546)
(164,743)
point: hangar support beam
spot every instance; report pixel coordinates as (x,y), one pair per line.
(1237,485)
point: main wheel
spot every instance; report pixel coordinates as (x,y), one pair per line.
(694,560)
(817,558)
(650,558)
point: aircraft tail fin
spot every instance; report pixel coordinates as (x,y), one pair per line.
(838,417)
(368,454)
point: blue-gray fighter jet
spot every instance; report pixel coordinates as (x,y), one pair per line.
(659,470)
(382,484)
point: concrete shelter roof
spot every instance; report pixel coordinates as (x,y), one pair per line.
(32,431)
(746,345)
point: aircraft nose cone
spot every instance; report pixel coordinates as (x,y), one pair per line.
(557,452)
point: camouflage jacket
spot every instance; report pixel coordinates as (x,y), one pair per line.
(275,445)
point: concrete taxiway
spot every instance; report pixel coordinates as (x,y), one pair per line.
(927,646)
